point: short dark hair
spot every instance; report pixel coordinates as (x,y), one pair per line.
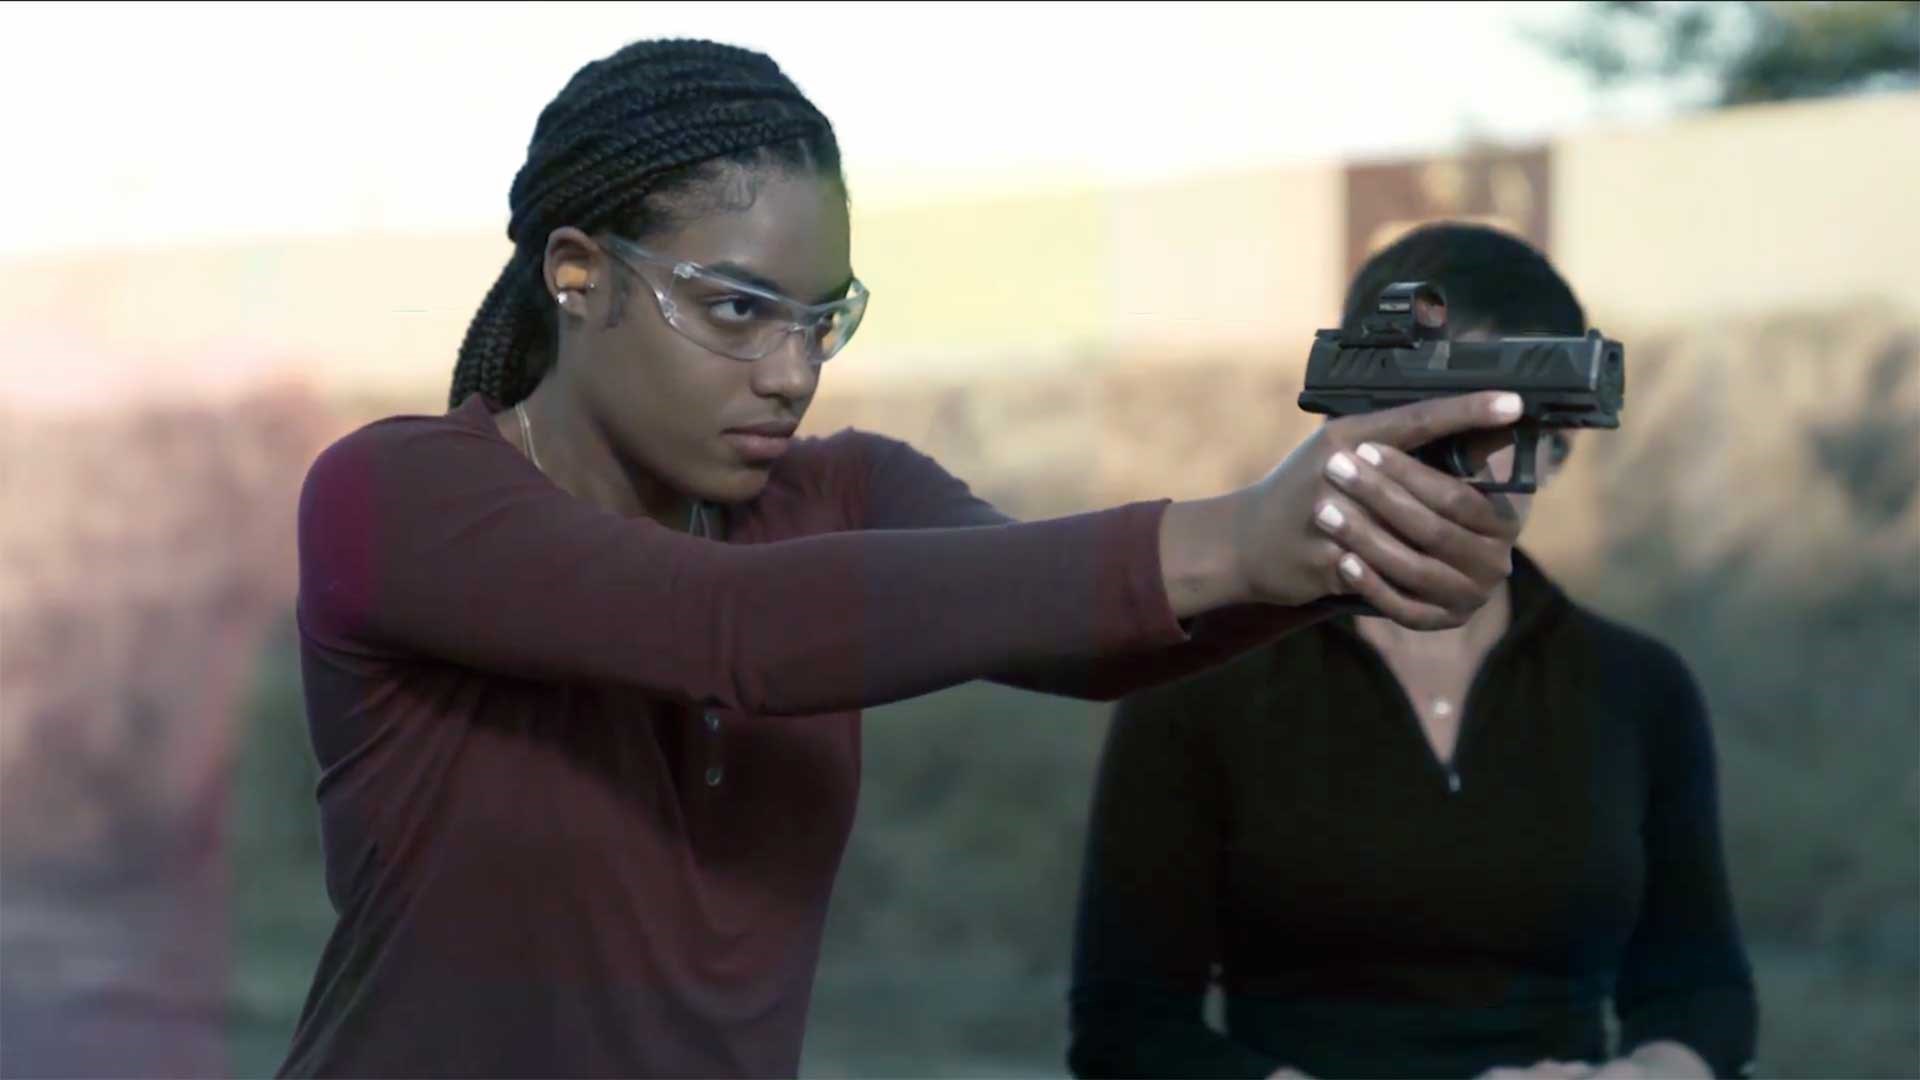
(1490,279)
(655,119)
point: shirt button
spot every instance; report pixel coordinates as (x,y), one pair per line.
(1442,708)
(713,722)
(713,776)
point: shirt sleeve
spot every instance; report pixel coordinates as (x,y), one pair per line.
(1146,932)
(420,539)
(1685,974)
(906,489)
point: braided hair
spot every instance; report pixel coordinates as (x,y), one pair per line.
(656,119)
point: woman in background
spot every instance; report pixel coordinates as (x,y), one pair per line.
(1419,854)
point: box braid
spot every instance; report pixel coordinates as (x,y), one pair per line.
(654,119)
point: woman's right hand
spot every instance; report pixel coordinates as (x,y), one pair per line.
(1349,511)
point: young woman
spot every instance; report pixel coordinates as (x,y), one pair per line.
(1419,854)
(584,656)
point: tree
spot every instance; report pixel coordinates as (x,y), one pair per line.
(1722,54)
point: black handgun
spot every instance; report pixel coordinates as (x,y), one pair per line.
(1396,357)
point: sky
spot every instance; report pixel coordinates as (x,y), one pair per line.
(157,125)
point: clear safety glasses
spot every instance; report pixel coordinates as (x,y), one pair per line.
(735,318)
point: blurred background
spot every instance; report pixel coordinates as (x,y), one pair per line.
(1099,241)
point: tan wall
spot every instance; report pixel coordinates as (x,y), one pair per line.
(956,283)
(367,312)
(1233,264)
(1801,205)
(1218,263)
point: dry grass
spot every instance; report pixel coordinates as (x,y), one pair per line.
(141,556)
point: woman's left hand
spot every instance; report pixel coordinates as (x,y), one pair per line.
(1664,1060)
(1654,1061)
(1619,1069)
(1543,1070)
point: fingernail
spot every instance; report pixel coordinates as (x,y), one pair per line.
(1369,453)
(1341,467)
(1507,406)
(1330,516)
(1350,567)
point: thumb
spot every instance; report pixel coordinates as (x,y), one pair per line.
(1410,426)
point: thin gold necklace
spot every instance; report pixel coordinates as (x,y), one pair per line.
(696,514)
(526,434)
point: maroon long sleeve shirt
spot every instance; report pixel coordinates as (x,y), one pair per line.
(586,781)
